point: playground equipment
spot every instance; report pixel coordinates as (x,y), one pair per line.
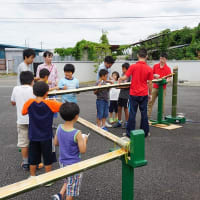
(131,153)
(134,160)
(173,118)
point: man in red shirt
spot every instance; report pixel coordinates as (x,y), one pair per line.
(140,91)
(159,70)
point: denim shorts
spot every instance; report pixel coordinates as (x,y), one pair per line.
(102,109)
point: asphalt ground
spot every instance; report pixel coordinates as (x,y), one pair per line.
(172,173)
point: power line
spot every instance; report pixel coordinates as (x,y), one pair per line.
(98,18)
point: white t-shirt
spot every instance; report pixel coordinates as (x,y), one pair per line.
(22,67)
(114,94)
(20,95)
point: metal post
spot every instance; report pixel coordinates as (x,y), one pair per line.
(174,91)
(136,159)
(174,118)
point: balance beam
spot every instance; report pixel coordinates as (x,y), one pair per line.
(86,89)
(34,182)
(106,134)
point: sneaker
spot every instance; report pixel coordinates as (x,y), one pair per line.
(104,128)
(25,167)
(124,126)
(56,197)
(108,125)
(116,120)
(116,125)
(111,120)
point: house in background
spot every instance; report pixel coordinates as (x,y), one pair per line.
(11,56)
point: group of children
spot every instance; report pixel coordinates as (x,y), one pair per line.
(112,101)
(35,113)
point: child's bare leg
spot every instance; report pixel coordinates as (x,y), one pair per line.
(33,169)
(110,115)
(126,113)
(24,151)
(103,122)
(119,113)
(98,122)
(48,168)
(69,198)
(63,190)
(116,115)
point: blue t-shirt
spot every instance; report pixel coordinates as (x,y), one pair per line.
(68,146)
(102,66)
(71,84)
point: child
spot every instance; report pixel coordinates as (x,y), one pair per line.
(20,95)
(28,56)
(71,143)
(102,100)
(114,94)
(44,75)
(123,100)
(41,113)
(69,82)
(53,72)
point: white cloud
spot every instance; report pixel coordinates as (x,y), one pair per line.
(65,33)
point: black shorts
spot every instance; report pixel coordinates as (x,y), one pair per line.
(123,102)
(38,149)
(113,106)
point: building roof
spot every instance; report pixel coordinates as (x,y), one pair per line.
(3,46)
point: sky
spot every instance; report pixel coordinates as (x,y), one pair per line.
(61,23)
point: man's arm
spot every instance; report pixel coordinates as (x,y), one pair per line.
(123,78)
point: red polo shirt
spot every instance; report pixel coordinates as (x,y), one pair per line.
(140,73)
(162,72)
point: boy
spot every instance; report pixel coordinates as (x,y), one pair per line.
(20,95)
(28,56)
(69,82)
(102,100)
(123,100)
(41,113)
(159,70)
(44,75)
(107,64)
(71,143)
(141,87)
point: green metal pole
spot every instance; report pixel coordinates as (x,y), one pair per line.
(174,92)
(136,159)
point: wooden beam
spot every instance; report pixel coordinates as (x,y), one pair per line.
(34,182)
(86,89)
(120,141)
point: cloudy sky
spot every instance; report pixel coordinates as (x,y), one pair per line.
(61,23)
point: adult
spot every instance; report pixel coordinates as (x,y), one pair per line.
(140,92)
(107,64)
(53,76)
(159,70)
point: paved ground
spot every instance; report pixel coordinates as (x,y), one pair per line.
(172,173)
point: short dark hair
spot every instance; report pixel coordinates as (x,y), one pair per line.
(126,65)
(69,110)
(69,68)
(109,59)
(26,78)
(164,54)
(44,72)
(47,53)
(142,53)
(40,88)
(115,72)
(103,72)
(28,52)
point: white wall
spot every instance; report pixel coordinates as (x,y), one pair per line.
(188,70)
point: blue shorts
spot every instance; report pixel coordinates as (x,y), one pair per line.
(102,109)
